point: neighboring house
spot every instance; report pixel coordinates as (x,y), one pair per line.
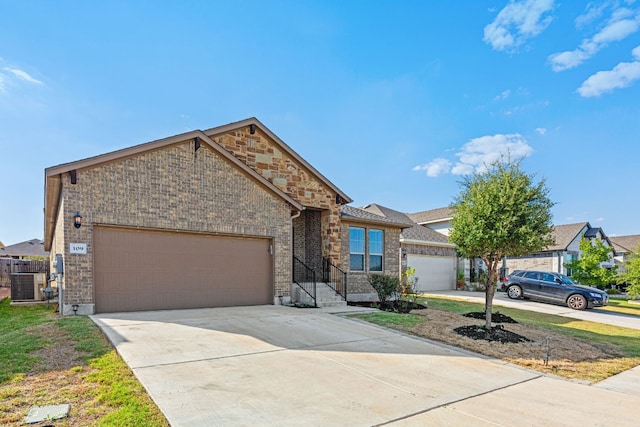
(201,219)
(439,220)
(33,248)
(24,257)
(566,248)
(423,249)
(436,219)
(625,247)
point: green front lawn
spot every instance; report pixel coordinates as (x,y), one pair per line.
(51,360)
(622,306)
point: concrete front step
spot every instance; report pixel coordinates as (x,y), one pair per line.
(325,296)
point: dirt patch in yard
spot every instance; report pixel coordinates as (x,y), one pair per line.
(567,357)
(58,354)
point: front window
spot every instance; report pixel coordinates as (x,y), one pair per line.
(376,243)
(356,249)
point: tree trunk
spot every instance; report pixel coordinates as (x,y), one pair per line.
(490,289)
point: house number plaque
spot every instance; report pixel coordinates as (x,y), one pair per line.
(78,248)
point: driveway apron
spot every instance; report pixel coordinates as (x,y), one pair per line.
(275,365)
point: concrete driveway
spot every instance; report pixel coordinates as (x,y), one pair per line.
(274,365)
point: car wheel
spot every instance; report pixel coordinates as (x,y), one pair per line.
(577,302)
(514,292)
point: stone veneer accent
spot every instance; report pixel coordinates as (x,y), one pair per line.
(359,288)
(544,263)
(172,188)
(261,153)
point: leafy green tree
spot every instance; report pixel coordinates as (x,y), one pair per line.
(587,269)
(632,275)
(499,212)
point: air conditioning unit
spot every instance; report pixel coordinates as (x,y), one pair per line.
(27,286)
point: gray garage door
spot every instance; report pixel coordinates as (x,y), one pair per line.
(137,270)
(434,273)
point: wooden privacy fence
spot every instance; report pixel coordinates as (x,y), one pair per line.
(10,265)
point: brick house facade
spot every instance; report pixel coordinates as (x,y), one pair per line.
(237,181)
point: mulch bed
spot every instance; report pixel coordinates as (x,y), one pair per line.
(496,317)
(496,333)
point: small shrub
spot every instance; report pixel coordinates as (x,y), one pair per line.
(613,291)
(384,285)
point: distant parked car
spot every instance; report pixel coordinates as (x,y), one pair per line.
(553,287)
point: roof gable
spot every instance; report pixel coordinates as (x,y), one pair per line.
(255,127)
(53,181)
(563,235)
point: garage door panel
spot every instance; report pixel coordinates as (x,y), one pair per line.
(152,270)
(433,273)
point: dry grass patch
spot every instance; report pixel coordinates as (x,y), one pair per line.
(569,357)
(59,376)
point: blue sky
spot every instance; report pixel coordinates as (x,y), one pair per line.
(393,101)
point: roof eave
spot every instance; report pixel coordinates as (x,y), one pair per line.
(349,218)
(427,243)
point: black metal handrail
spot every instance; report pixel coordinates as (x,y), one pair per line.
(334,277)
(305,278)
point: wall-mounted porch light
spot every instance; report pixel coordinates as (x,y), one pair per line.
(77,220)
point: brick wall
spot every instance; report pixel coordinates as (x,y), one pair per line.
(307,238)
(174,188)
(358,285)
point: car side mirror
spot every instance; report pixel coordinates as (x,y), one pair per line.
(559,282)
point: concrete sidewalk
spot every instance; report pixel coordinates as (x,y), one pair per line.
(274,365)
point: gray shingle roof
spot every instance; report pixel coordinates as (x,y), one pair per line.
(439,214)
(33,247)
(564,235)
(420,232)
(626,244)
(361,215)
(389,213)
(414,232)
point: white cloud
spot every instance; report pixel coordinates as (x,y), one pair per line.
(478,153)
(2,84)
(541,131)
(592,13)
(622,23)
(504,95)
(622,75)
(436,167)
(518,21)
(22,75)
